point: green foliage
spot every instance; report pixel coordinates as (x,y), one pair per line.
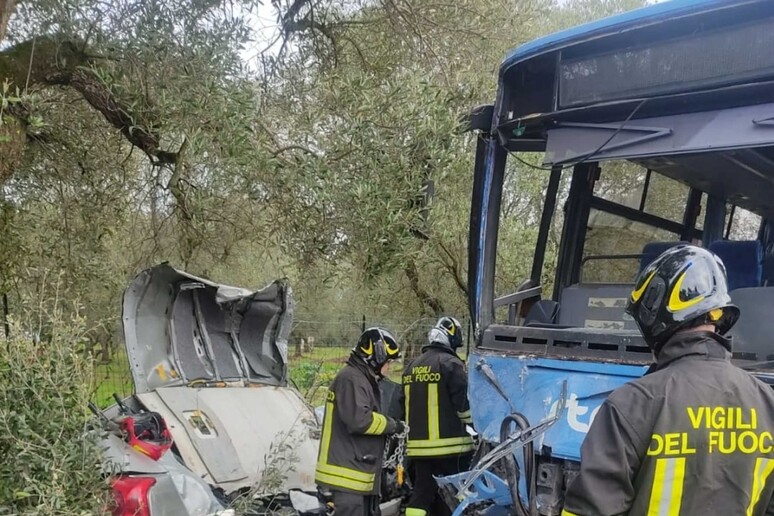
(382,121)
(11,131)
(112,377)
(280,460)
(312,162)
(51,462)
(314,372)
(308,373)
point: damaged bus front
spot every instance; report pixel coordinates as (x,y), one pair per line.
(655,127)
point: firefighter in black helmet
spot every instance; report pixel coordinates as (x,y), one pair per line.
(694,436)
(353,438)
(437,410)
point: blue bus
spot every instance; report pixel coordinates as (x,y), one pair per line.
(655,127)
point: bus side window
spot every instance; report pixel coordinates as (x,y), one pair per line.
(609,234)
(742,224)
(617,233)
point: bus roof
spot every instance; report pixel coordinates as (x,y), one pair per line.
(613,24)
(684,87)
(676,54)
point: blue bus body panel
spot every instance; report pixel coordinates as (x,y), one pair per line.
(645,15)
(534,386)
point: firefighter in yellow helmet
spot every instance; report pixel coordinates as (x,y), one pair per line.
(436,405)
(354,431)
(694,436)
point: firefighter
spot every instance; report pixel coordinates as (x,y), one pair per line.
(437,410)
(694,436)
(354,431)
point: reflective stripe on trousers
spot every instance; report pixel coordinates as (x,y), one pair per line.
(338,475)
(448,446)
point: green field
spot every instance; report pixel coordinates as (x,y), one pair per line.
(110,378)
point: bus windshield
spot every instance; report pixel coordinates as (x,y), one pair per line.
(641,140)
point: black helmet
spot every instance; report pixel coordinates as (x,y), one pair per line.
(447,331)
(376,346)
(686,286)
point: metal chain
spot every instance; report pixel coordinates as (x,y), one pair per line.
(400,450)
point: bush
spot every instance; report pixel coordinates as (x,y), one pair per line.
(51,463)
(313,376)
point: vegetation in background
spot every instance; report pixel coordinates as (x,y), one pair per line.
(313,373)
(160,131)
(51,461)
(112,377)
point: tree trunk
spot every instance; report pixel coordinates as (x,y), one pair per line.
(427,299)
(188,240)
(13,137)
(105,353)
(6,10)
(6,323)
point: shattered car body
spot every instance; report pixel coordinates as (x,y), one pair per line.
(212,361)
(175,489)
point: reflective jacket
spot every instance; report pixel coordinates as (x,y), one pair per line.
(694,437)
(436,403)
(353,434)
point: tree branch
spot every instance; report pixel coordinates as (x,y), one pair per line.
(6,10)
(454,268)
(424,296)
(301,148)
(304,24)
(100,98)
(294,9)
(65,63)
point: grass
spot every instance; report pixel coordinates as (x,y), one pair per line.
(326,354)
(313,372)
(113,377)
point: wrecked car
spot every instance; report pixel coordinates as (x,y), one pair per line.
(213,419)
(212,416)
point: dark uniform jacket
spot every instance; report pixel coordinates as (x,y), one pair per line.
(353,435)
(436,403)
(692,438)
